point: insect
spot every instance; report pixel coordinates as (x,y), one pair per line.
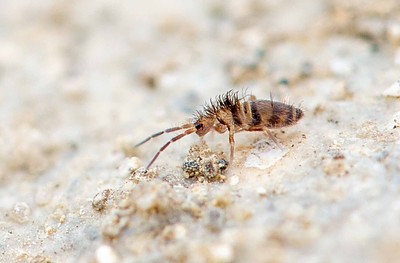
(229,112)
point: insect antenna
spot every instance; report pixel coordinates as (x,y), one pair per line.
(185,126)
(174,139)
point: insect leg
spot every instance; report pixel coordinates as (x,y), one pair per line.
(174,139)
(272,137)
(232,143)
(185,126)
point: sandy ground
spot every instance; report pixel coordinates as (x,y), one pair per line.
(82,81)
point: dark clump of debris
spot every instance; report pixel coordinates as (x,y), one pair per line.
(205,165)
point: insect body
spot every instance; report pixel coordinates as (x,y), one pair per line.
(233,114)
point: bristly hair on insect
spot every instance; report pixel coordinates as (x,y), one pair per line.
(229,112)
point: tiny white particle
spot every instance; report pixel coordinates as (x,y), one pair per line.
(393,90)
(106,254)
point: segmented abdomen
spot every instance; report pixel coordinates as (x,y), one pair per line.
(264,113)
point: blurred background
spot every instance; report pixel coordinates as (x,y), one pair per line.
(83,81)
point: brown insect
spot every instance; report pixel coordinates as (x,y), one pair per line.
(233,114)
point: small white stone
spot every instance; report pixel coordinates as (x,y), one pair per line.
(175,232)
(181,231)
(233,180)
(146,202)
(100,200)
(341,66)
(20,212)
(222,253)
(394,32)
(106,254)
(135,163)
(393,90)
(261,191)
(82,211)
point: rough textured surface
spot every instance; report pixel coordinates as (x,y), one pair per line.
(203,164)
(81,82)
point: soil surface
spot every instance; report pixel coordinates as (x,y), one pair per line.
(82,82)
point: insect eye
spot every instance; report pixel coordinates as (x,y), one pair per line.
(199,126)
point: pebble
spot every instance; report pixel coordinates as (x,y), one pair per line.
(106,254)
(394,32)
(222,253)
(341,67)
(261,191)
(20,213)
(393,90)
(100,200)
